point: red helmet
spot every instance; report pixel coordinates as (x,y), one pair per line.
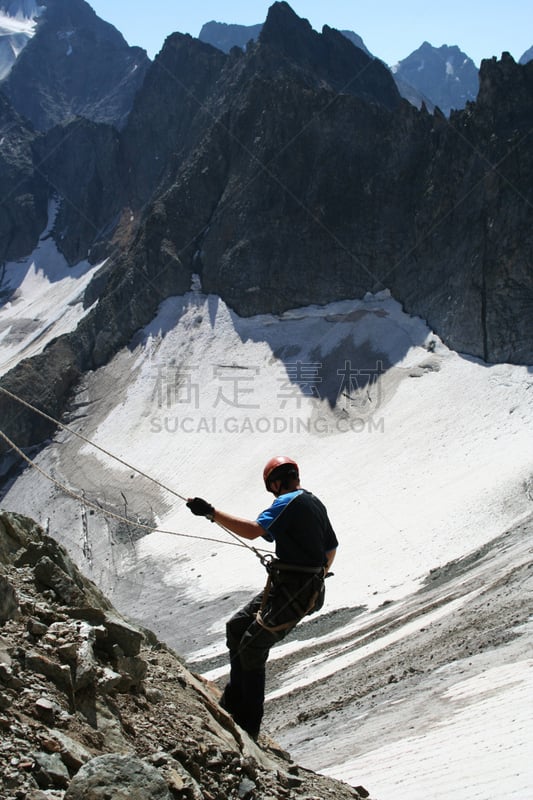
(274,463)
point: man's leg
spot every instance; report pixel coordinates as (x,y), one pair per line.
(232,697)
(254,649)
(249,644)
(253,685)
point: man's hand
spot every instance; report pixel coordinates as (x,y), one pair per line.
(200,508)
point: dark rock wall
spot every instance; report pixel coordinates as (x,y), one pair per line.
(281,182)
(24,194)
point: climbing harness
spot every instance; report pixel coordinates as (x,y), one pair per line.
(281,578)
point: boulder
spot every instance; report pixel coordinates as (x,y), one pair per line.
(120,632)
(117,776)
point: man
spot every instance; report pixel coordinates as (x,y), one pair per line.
(306,544)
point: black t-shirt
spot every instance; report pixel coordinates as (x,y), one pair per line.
(298,523)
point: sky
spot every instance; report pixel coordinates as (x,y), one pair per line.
(391,30)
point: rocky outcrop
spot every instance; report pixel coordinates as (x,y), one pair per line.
(75,65)
(93,706)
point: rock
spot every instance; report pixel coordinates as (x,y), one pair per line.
(45,710)
(133,671)
(73,753)
(5,656)
(152,694)
(9,606)
(59,674)
(180,779)
(86,665)
(68,652)
(174,781)
(53,577)
(37,628)
(120,632)
(109,680)
(50,772)
(246,789)
(117,776)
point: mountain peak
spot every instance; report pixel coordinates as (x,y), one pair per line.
(73,53)
(283,24)
(446,75)
(328,57)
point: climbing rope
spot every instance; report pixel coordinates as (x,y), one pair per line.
(88,441)
(96,507)
(113,515)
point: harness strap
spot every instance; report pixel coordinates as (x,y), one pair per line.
(280,565)
(291,601)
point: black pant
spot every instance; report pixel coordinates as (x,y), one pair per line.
(249,645)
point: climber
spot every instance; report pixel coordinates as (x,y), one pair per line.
(305,544)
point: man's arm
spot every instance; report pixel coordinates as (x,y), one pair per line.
(330,555)
(242,527)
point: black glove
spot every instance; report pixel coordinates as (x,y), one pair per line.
(201,508)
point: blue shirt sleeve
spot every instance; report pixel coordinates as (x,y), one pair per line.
(267,517)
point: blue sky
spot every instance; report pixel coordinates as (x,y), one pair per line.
(391,29)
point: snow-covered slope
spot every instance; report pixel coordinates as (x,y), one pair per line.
(41,297)
(18,19)
(422,456)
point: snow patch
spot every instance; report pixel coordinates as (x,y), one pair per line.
(41,297)
(17,26)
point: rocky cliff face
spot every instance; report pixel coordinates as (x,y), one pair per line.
(23,205)
(287,175)
(93,706)
(81,165)
(171,113)
(75,64)
(328,195)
